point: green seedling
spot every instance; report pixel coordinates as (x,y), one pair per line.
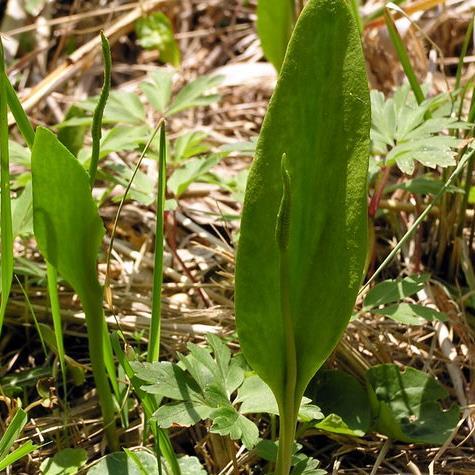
(294,294)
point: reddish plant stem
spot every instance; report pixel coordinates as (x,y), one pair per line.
(378,192)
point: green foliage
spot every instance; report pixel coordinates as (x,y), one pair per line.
(343,401)
(142,462)
(275,20)
(392,292)
(301,463)
(407,405)
(6,232)
(69,231)
(200,387)
(155,31)
(65,462)
(9,438)
(310,288)
(402,132)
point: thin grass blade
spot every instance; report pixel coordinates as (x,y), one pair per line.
(154,333)
(6,235)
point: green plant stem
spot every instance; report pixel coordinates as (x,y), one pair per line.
(99,111)
(463,53)
(92,304)
(287,406)
(288,416)
(5,198)
(403,56)
(154,333)
(52,277)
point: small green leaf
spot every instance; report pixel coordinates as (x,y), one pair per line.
(119,463)
(406,405)
(256,397)
(182,414)
(196,93)
(155,31)
(191,466)
(344,402)
(158,89)
(168,380)
(391,291)
(22,212)
(189,145)
(12,432)
(193,170)
(228,422)
(411,314)
(65,462)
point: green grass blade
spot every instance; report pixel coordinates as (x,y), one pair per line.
(33,314)
(154,333)
(403,56)
(99,112)
(18,454)
(21,119)
(12,433)
(52,278)
(463,53)
(6,224)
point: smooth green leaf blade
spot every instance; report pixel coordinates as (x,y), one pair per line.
(275,20)
(319,116)
(411,314)
(6,232)
(69,231)
(182,414)
(196,93)
(65,462)
(61,200)
(256,397)
(158,89)
(155,31)
(13,432)
(344,402)
(228,422)
(390,291)
(18,454)
(407,405)
(119,463)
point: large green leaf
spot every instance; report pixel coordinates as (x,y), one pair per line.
(69,231)
(275,19)
(406,405)
(319,117)
(67,225)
